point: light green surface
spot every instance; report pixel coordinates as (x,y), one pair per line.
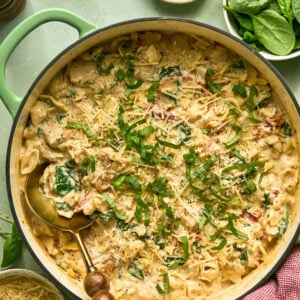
(37,49)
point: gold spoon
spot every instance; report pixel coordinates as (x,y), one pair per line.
(95,283)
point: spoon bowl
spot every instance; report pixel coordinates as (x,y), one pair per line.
(45,208)
(95,281)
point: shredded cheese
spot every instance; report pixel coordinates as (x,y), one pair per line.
(21,287)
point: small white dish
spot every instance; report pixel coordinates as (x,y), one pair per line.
(20,277)
(269,56)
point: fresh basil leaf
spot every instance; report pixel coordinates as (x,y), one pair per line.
(12,248)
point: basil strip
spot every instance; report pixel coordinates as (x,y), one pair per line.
(250,104)
(112,204)
(120,75)
(129,179)
(99,65)
(244,166)
(168,144)
(159,187)
(185,246)
(84,127)
(134,85)
(221,245)
(166,285)
(236,138)
(12,247)
(151,91)
(169,211)
(206,215)
(89,160)
(142,206)
(239,234)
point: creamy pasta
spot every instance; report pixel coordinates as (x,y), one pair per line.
(179,150)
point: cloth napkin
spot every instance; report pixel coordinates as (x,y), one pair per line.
(285,284)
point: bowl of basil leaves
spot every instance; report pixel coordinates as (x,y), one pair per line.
(272,27)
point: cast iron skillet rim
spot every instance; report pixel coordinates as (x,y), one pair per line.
(80,40)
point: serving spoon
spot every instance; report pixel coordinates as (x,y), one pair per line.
(95,282)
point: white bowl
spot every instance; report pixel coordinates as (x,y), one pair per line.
(268,55)
(18,273)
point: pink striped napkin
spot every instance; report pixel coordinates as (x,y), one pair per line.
(285,284)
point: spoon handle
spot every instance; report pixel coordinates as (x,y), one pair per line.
(95,282)
(85,255)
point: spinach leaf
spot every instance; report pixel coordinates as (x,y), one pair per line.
(243,20)
(135,271)
(283,224)
(274,32)
(297,45)
(239,89)
(248,6)
(12,248)
(212,86)
(286,129)
(65,179)
(286,9)
(296,9)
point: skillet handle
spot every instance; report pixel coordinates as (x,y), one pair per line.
(12,101)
